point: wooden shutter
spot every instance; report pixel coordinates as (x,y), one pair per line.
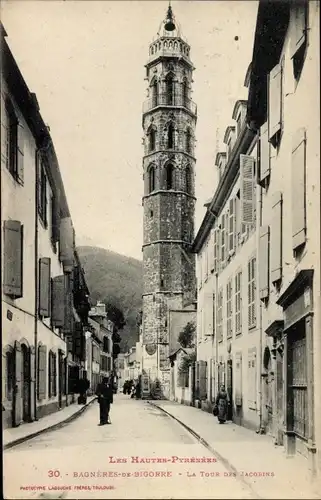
(238,379)
(275,103)
(298,189)
(54,220)
(264,262)
(216,257)
(212,244)
(32,381)
(231,227)
(264,170)
(78,339)
(209,315)
(299,11)
(13,259)
(66,243)
(247,188)
(214,313)
(69,309)
(223,239)
(17,402)
(44,287)
(58,301)
(20,153)
(42,371)
(202,378)
(276,237)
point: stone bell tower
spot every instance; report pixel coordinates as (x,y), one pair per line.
(169,119)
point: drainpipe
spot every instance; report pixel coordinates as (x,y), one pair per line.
(261,428)
(216,334)
(37,162)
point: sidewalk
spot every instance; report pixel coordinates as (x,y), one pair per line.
(16,435)
(244,451)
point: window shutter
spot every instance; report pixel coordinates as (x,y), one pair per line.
(264,170)
(13,259)
(216,234)
(298,26)
(54,220)
(197,379)
(20,153)
(298,190)
(66,243)
(223,239)
(17,383)
(231,229)
(58,301)
(238,379)
(247,188)
(212,245)
(42,368)
(264,262)
(69,311)
(209,314)
(275,103)
(276,237)
(44,287)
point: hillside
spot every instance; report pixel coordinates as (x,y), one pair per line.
(116,279)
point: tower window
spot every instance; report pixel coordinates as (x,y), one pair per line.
(185,92)
(188,180)
(151,180)
(162,283)
(151,213)
(155,93)
(169,90)
(152,139)
(170,136)
(169,176)
(188,138)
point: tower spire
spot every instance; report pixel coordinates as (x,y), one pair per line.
(169,22)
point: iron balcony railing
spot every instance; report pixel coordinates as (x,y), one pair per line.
(169,100)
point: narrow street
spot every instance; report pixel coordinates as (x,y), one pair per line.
(82,456)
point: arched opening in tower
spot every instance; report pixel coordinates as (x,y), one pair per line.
(185,92)
(169,176)
(152,139)
(155,93)
(188,139)
(170,136)
(169,90)
(151,179)
(188,180)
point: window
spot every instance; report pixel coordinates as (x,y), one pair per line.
(276,237)
(155,93)
(229,309)
(238,303)
(151,179)
(13,143)
(185,92)
(169,176)
(169,90)
(238,379)
(52,374)
(54,222)
(170,136)
(42,208)
(251,293)
(152,139)
(264,260)
(247,177)
(188,141)
(44,287)
(275,99)
(188,180)
(9,381)
(298,177)
(223,242)
(220,316)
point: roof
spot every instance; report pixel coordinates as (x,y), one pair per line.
(186,350)
(271,26)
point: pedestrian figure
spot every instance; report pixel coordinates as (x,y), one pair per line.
(105,399)
(221,403)
(83,387)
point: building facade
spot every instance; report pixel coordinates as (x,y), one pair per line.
(169,119)
(283,99)
(102,353)
(44,294)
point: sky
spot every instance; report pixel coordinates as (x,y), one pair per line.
(85,61)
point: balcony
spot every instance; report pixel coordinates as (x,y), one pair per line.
(170,100)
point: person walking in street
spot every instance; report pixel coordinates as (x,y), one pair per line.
(221,403)
(105,399)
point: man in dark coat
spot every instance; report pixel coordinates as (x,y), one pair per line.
(105,399)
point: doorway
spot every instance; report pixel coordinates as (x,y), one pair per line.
(268,391)
(229,388)
(60,377)
(25,382)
